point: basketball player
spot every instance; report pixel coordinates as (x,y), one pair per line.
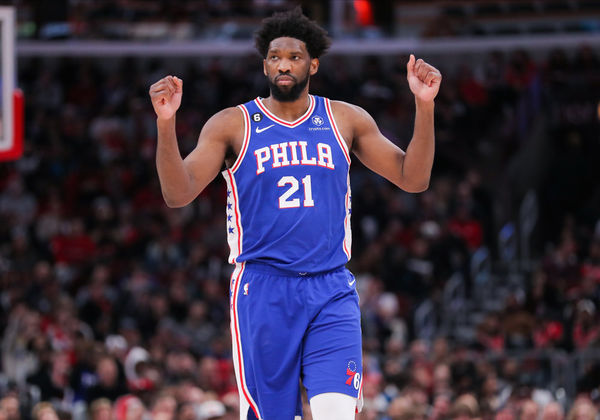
(294,306)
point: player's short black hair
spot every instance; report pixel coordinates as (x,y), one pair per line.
(295,25)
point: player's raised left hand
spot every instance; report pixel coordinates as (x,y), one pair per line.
(423,79)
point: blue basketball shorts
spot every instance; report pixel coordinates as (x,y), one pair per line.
(290,327)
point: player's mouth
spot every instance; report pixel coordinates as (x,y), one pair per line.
(285,80)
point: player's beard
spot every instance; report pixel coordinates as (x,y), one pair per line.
(292,93)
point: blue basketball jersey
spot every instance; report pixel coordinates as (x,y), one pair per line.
(288,193)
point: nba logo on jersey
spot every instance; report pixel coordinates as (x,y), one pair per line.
(246,289)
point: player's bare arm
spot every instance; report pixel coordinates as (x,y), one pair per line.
(410,170)
(181,179)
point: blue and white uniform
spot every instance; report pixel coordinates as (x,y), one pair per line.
(294,306)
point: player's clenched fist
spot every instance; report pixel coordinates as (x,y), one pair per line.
(166,96)
(423,79)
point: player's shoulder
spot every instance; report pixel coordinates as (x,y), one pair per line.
(226,126)
(347,112)
(228,119)
(230,114)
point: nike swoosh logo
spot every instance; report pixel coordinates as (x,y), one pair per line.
(260,130)
(350,283)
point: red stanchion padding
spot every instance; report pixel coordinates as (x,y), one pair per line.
(16,150)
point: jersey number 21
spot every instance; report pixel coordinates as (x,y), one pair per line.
(284,199)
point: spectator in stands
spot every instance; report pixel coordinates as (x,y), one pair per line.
(128,407)
(403,408)
(442,383)
(553,411)
(489,334)
(561,265)
(489,396)
(440,409)
(164,407)
(100,409)
(518,324)
(211,410)
(10,407)
(505,414)
(18,206)
(528,410)
(583,409)
(110,383)
(590,268)
(186,411)
(44,411)
(465,407)
(586,331)
(21,343)
(51,378)
(464,371)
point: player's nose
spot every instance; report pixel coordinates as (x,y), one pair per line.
(284,65)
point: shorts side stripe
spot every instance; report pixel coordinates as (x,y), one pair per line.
(238,360)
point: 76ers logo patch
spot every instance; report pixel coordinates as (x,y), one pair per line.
(353,375)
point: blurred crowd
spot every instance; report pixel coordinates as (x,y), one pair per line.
(162,20)
(236,19)
(115,306)
(148,19)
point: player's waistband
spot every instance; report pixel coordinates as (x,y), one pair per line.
(264,268)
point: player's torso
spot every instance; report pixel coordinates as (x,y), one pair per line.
(288,192)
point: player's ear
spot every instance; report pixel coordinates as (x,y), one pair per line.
(265,66)
(314,66)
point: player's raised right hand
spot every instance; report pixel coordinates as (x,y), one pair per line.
(166,96)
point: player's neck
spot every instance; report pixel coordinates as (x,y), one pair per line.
(288,111)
